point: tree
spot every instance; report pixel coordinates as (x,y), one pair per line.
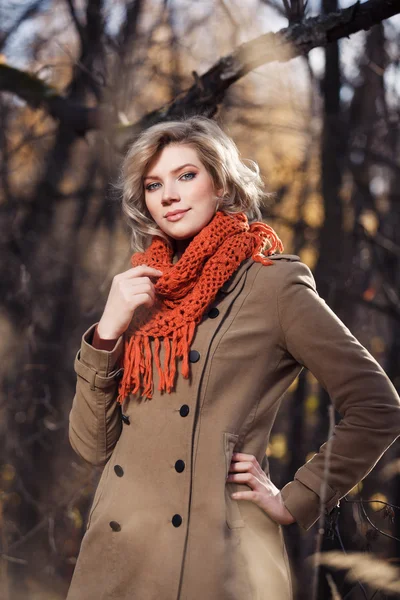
(67,115)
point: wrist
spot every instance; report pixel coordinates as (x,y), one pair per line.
(287,517)
(106,333)
(103,344)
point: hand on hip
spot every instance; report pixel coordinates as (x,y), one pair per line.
(245,469)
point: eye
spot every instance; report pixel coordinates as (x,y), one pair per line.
(150,187)
(190,175)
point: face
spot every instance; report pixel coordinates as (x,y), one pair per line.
(179,192)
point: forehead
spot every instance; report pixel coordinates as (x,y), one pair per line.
(172,157)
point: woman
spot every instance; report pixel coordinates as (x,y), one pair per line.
(212,324)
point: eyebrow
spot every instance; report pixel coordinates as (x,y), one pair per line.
(173,171)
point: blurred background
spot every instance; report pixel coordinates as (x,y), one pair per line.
(79,78)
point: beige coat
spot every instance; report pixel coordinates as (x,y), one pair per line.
(163,525)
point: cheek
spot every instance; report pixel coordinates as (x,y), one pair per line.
(206,192)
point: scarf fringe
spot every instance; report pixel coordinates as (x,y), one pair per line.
(267,242)
(138,357)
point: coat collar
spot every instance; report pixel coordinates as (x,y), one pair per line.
(230,285)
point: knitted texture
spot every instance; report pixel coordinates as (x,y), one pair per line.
(183,293)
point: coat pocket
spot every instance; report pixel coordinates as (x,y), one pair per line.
(233,516)
(98,493)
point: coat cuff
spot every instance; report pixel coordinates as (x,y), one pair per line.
(104,362)
(302,503)
(102,344)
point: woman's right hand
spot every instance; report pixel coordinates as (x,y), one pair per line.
(128,291)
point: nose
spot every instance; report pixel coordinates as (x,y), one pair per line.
(170,194)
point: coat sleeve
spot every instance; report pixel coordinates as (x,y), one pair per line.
(95,417)
(358,387)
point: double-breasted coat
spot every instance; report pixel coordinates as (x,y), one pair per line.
(163,525)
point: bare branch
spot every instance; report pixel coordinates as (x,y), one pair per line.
(12,559)
(293,41)
(296,40)
(91,57)
(133,11)
(78,24)
(37,94)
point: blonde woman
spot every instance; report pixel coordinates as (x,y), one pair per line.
(180,381)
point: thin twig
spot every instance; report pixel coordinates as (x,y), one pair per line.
(339,537)
(13,559)
(52,541)
(392,537)
(321,520)
(371,502)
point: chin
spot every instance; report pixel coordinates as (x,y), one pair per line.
(183,237)
(184,234)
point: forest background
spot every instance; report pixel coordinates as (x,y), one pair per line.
(311,92)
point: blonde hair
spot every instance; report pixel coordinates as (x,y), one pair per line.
(242,185)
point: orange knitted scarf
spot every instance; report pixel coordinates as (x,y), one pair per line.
(183,293)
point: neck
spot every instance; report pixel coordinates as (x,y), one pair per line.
(179,247)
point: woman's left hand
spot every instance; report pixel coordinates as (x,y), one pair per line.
(246,469)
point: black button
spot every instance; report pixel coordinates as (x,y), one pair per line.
(125,419)
(179,466)
(184,410)
(118,470)
(176,520)
(194,356)
(213,313)
(115,526)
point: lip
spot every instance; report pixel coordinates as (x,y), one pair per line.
(175,215)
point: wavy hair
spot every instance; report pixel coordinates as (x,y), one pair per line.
(241,183)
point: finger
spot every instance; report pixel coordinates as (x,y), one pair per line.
(238,457)
(139,281)
(253,496)
(136,287)
(144,288)
(140,271)
(132,286)
(143,299)
(258,480)
(241,456)
(244,468)
(240,467)
(262,484)
(146,270)
(246,478)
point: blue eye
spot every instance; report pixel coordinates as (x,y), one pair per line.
(150,186)
(185,177)
(190,174)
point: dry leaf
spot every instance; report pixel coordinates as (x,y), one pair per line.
(333,588)
(365,568)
